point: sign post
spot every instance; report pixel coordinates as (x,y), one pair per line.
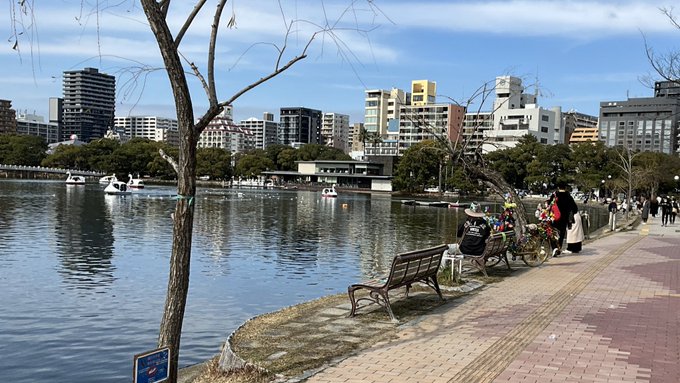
(152,366)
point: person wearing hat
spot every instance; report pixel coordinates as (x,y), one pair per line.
(474,232)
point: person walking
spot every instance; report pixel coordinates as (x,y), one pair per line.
(567,208)
(645,210)
(613,208)
(575,235)
(654,207)
(665,207)
(674,209)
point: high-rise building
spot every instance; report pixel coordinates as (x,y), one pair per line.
(299,126)
(423,92)
(647,124)
(154,128)
(89,104)
(335,131)
(8,121)
(265,130)
(429,122)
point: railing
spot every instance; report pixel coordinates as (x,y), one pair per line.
(40,169)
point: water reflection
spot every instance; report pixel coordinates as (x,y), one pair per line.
(84,237)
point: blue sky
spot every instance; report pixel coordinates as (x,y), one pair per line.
(581,52)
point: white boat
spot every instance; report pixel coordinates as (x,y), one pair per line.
(329,192)
(135,183)
(107,179)
(74,180)
(117,188)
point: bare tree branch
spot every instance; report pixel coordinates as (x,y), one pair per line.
(187,23)
(212,92)
(169,159)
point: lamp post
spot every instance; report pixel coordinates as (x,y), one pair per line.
(602,193)
(676,178)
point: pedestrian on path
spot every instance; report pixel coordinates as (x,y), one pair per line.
(575,235)
(645,210)
(567,207)
(674,209)
(613,208)
(654,206)
(665,207)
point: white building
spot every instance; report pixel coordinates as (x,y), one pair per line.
(516,114)
(335,131)
(154,128)
(265,130)
(221,132)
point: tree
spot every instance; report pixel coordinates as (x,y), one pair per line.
(418,168)
(252,164)
(214,162)
(22,149)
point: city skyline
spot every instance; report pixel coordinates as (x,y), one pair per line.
(580,52)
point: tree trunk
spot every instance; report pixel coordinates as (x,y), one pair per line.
(183,218)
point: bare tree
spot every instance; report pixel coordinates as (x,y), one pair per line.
(178,68)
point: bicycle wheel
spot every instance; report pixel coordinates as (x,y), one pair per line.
(535,251)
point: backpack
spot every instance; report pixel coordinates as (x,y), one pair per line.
(555,210)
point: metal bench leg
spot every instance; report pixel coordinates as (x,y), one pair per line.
(350,292)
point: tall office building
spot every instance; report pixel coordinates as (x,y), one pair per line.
(8,121)
(89,104)
(299,126)
(648,124)
(265,130)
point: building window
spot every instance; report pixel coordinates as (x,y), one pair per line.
(545,118)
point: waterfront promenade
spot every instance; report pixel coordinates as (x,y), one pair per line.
(608,314)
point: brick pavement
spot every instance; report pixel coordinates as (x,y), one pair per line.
(608,314)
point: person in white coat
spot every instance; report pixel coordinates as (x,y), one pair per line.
(575,235)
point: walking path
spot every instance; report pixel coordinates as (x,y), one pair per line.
(608,314)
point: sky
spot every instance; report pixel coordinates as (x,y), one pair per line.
(572,53)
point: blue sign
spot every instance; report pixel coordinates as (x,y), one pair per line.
(152,366)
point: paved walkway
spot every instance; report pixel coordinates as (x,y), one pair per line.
(608,314)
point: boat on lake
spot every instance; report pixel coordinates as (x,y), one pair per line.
(116,187)
(135,183)
(74,180)
(412,202)
(107,179)
(458,204)
(329,192)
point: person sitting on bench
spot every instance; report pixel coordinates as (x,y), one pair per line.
(474,232)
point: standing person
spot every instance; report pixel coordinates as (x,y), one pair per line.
(654,207)
(575,235)
(613,208)
(472,233)
(674,209)
(567,207)
(665,206)
(645,210)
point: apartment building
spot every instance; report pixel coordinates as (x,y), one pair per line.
(221,132)
(153,128)
(382,108)
(579,127)
(264,130)
(335,131)
(89,104)
(299,126)
(8,123)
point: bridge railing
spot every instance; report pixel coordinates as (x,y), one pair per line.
(42,169)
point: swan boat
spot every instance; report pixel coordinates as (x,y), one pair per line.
(135,183)
(107,179)
(117,188)
(329,192)
(74,180)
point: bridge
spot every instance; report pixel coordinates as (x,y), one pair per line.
(20,171)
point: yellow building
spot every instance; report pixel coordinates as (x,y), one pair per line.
(423,92)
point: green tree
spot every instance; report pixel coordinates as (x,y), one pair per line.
(214,162)
(419,168)
(511,163)
(99,154)
(590,160)
(22,149)
(273,152)
(286,159)
(252,164)
(133,157)
(68,157)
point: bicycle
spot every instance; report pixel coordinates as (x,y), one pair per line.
(534,247)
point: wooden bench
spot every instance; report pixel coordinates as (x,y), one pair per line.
(407,268)
(496,246)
